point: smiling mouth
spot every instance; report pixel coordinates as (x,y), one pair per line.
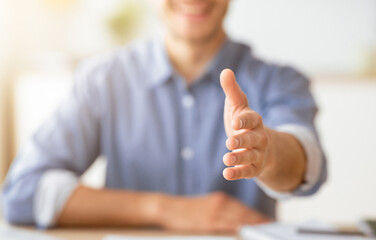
(194,10)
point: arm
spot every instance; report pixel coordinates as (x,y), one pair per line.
(215,212)
(68,140)
(277,159)
(103,207)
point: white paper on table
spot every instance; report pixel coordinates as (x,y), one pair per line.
(277,231)
(119,237)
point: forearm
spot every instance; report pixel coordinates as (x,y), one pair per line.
(286,162)
(92,207)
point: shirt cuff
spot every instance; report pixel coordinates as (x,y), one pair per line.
(314,161)
(54,189)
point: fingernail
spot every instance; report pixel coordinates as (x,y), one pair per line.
(241,124)
(236,141)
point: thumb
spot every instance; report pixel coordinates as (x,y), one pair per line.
(232,90)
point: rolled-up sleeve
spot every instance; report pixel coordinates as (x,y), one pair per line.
(54,189)
(68,140)
(290,107)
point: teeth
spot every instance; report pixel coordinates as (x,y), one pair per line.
(193,10)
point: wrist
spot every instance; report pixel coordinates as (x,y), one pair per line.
(285,163)
(154,208)
(168,207)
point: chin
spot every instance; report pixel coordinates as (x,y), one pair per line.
(197,33)
(194,36)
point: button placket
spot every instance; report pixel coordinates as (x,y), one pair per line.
(187,152)
(187,101)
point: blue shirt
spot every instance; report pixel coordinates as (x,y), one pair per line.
(157,133)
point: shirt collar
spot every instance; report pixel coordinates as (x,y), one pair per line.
(228,56)
(161,68)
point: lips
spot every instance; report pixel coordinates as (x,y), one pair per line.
(195,9)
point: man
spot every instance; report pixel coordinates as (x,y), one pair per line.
(156,111)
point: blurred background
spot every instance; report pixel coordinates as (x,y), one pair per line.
(332,41)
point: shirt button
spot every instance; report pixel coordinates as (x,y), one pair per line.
(187,153)
(188,101)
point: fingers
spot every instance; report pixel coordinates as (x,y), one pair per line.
(232,90)
(246,139)
(242,171)
(247,119)
(232,214)
(241,157)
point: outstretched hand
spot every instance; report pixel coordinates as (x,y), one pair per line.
(247,137)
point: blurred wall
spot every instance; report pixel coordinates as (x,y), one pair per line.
(318,36)
(346,123)
(4,56)
(40,26)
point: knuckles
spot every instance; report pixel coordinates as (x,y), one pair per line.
(264,140)
(249,172)
(253,119)
(259,119)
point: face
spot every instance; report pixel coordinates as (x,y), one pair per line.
(193,20)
